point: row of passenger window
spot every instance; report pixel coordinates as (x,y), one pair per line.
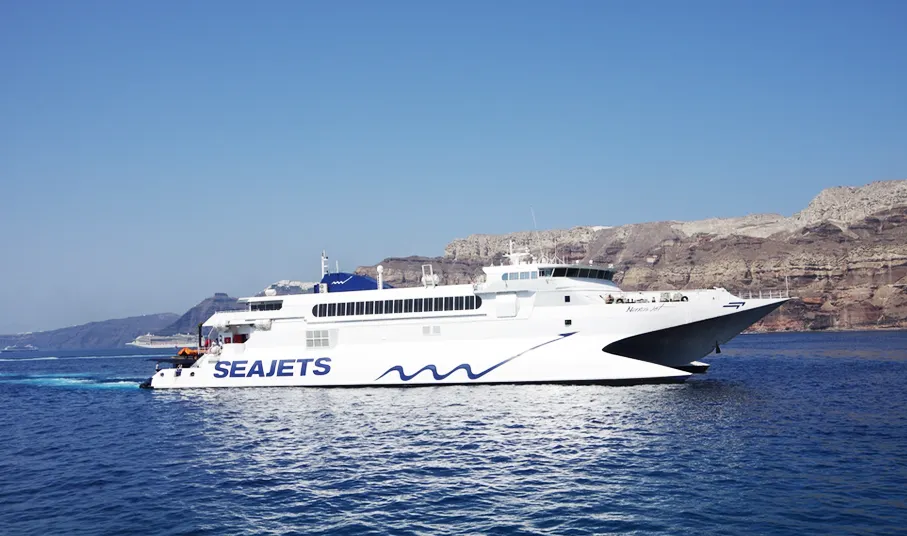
(384,307)
(588,273)
(266,306)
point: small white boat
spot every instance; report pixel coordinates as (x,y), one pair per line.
(164,341)
(20,348)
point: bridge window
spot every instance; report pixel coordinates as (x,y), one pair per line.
(266,306)
(560,272)
(534,274)
(524,275)
(583,272)
(546,272)
(572,272)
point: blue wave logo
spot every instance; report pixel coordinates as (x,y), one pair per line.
(464,366)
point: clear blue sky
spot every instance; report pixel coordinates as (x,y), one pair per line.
(134,135)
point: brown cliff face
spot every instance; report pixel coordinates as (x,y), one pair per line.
(844,257)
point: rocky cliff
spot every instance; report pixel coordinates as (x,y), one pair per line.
(117,332)
(844,256)
(105,334)
(189,321)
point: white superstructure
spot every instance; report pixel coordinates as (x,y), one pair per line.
(527,322)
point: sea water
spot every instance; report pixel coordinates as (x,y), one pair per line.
(786,434)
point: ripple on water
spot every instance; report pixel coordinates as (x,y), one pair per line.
(784,436)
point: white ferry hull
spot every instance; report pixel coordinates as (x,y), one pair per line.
(565,358)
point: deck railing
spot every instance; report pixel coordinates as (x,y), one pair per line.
(763,294)
(648,296)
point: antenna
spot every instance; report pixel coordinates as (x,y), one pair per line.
(325,265)
(538,239)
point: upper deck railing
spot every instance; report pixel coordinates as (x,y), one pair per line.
(771,294)
(662,296)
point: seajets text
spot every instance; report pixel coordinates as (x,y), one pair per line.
(282,367)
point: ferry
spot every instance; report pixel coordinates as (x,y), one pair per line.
(528,321)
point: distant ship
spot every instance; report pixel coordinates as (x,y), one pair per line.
(23,348)
(165,341)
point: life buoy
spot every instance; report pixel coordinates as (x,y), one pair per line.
(684,298)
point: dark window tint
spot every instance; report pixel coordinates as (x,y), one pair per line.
(470,302)
(478,302)
(323,309)
(583,272)
(560,272)
(332,309)
(439,304)
(379,307)
(417,305)
(458,303)
(369,307)
(407,306)
(398,306)
(360,308)
(448,303)
(426,305)
(572,272)
(388,306)
(314,310)
(266,306)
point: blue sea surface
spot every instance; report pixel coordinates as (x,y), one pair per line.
(786,434)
